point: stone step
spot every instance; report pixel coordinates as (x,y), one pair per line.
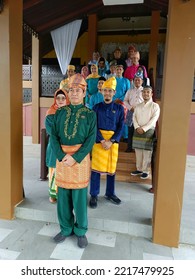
(107,216)
(125,176)
(126,164)
(104,224)
(129,166)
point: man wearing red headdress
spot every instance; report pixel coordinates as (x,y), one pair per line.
(72,138)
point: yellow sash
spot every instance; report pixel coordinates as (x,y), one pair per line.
(76,176)
(105,161)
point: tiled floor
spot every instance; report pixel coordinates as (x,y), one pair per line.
(126,235)
(26,239)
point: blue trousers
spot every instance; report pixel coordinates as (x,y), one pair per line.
(125,131)
(95,184)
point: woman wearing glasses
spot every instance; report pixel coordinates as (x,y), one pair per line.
(60,100)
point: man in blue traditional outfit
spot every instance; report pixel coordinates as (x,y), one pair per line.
(110,121)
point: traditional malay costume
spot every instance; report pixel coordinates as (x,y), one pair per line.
(73,133)
(145,117)
(110,121)
(64,83)
(92,83)
(98,97)
(50,156)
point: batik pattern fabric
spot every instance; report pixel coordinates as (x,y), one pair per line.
(76,176)
(143,141)
(64,84)
(52,183)
(74,133)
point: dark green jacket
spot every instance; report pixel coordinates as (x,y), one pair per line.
(50,156)
(73,124)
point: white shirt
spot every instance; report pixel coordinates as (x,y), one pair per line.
(146,115)
(133,97)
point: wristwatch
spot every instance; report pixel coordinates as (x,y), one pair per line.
(112,140)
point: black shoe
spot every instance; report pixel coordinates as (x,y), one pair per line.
(59,238)
(128,150)
(144,175)
(93,202)
(136,173)
(114,199)
(82,241)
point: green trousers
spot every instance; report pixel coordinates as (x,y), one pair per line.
(72,211)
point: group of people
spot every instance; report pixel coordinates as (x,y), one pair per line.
(84,134)
(129,65)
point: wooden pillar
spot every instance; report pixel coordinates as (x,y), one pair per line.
(154,37)
(11,140)
(35,90)
(92,35)
(174,122)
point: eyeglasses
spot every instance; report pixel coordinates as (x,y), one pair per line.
(61,98)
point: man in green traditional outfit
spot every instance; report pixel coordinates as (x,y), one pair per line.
(72,138)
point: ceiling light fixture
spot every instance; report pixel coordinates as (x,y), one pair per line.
(126,18)
(132,32)
(122,2)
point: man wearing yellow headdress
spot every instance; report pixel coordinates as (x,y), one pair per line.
(110,121)
(72,138)
(70,73)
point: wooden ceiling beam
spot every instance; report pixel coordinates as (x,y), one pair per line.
(44,16)
(65,17)
(27,4)
(131,33)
